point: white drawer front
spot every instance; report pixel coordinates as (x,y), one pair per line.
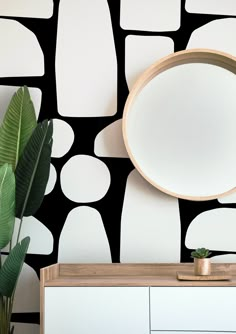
(186,332)
(102,310)
(193,308)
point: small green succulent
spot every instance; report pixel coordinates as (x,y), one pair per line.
(200,253)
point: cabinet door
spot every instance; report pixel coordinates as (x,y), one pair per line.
(193,308)
(96,310)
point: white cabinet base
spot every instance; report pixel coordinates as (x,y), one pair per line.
(135,299)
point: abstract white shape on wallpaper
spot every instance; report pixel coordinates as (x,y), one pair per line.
(150,224)
(143,51)
(6,93)
(27,291)
(226,258)
(213,229)
(61,143)
(150,15)
(15,39)
(228,199)
(86,65)
(218,35)
(109,142)
(83,238)
(37,232)
(52,179)
(22,328)
(223,7)
(85,179)
(27,8)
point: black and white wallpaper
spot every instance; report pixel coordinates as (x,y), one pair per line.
(80,58)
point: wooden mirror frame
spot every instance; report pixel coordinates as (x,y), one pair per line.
(206,56)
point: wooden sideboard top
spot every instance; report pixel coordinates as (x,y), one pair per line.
(117,274)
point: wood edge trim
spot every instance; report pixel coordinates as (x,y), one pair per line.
(210,56)
(92,270)
(46,274)
(153,274)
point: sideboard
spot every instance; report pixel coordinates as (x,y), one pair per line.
(135,299)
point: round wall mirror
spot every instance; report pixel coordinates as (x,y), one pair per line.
(179,124)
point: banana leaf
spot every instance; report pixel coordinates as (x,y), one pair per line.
(12,266)
(18,124)
(32,171)
(7,204)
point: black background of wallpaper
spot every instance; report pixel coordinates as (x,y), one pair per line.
(56,206)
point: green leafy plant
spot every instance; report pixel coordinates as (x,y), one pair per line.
(200,253)
(25,154)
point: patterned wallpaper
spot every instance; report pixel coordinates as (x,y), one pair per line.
(80,58)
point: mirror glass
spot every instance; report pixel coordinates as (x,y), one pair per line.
(179,125)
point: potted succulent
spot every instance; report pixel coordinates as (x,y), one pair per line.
(202,264)
(25,154)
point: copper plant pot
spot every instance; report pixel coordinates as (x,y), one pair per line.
(202,266)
